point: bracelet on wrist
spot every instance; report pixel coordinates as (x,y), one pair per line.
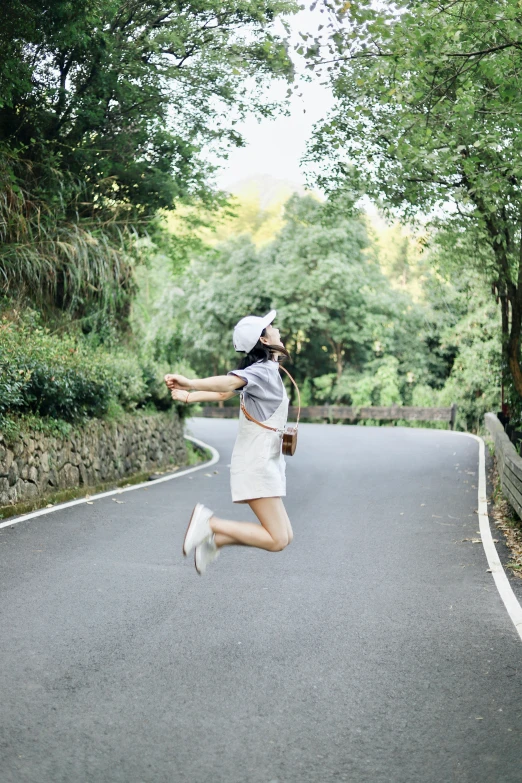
(187,397)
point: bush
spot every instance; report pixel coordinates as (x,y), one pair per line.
(65,377)
(68,393)
(156,389)
(49,375)
(130,387)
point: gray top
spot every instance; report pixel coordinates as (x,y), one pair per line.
(264,389)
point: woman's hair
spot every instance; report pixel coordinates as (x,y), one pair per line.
(262,353)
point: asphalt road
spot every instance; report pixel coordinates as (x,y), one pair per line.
(375,649)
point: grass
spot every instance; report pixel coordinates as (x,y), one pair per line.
(43,252)
(12,427)
(196,454)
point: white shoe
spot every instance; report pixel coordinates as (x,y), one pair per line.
(198,528)
(205,553)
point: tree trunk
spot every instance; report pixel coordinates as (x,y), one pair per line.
(338,357)
(339,365)
(513,345)
(514,363)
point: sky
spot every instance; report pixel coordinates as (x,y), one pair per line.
(275,146)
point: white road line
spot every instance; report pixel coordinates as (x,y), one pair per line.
(499,575)
(118,491)
(514,609)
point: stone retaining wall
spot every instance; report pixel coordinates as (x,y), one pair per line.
(36,464)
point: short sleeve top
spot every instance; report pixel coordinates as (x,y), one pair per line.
(264,390)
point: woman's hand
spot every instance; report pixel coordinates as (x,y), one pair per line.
(179,394)
(177,382)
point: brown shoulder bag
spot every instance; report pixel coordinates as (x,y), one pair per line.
(290,431)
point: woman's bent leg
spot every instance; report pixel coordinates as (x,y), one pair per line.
(274,533)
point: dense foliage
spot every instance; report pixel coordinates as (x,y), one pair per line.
(357,335)
(428,120)
(106,110)
(367,319)
(62,376)
(105,107)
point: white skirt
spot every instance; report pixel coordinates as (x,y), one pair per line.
(258,468)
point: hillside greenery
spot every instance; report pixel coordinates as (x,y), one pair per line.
(120,260)
(427,121)
(106,106)
(108,109)
(370,316)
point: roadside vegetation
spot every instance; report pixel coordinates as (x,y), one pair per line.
(366,311)
(105,108)
(427,122)
(120,260)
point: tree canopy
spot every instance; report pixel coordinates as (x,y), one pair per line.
(428,120)
(105,108)
(353,335)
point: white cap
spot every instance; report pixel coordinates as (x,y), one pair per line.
(248,330)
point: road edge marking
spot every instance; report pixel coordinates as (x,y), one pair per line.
(509,599)
(119,490)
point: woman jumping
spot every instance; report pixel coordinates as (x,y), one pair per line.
(257,472)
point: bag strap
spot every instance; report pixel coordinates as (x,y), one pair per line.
(274,429)
(297,390)
(251,418)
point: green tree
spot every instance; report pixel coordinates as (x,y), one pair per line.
(220,287)
(106,106)
(336,309)
(355,336)
(428,119)
(126,93)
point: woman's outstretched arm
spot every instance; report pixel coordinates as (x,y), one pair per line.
(219,383)
(193,396)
